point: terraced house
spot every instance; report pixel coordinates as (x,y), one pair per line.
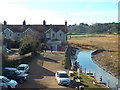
(53,34)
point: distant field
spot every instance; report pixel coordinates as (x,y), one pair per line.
(107,60)
(107,42)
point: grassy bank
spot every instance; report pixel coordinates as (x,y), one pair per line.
(109,59)
(87,81)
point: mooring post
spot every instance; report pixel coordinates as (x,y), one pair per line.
(95,75)
(85,70)
(78,70)
(108,83)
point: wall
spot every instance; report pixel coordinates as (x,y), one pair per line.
(61,35)
(18,36)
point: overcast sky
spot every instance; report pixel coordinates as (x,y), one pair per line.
(57,11)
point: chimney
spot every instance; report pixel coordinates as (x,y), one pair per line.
(5,23)
(66,25)
(44,22)
(65,22)
(24,23)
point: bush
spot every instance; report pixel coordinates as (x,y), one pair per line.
(11,43)
(25,48)
(15,63)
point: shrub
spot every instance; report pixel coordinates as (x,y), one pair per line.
(25,48)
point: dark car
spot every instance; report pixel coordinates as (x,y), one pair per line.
(13,73)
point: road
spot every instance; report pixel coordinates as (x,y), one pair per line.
(42,71)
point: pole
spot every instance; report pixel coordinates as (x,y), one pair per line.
(81,68)
(85,70)
(95,75)
(78,72)
(108,83)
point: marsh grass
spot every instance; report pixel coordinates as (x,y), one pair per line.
(108,59)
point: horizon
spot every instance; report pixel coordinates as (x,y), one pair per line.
(56,12)
(55,24)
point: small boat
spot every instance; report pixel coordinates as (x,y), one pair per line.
(90,74)
(103,83)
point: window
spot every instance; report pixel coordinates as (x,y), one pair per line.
(10,35)
(18,34)
(11,73)
(53,35)
(5,80)
(60,34)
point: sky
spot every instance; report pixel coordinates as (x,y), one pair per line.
(57,11)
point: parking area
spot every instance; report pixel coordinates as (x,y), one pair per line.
(42,71)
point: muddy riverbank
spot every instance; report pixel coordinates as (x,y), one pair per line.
(104,59)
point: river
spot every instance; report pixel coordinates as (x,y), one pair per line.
(85,60)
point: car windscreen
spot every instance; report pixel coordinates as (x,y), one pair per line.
(17,72)
(63,75)
(5,79)
(21,68)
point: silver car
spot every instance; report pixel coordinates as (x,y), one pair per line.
(24,68)
(7,83)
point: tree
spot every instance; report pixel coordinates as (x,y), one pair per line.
(31,40)
(25,48)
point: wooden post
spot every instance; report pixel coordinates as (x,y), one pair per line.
(78,70)
(81,68)
(85,70)
(108,83)
(95,75)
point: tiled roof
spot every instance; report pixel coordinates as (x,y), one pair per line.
(40,28)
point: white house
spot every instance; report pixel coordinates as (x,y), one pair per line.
(54,34)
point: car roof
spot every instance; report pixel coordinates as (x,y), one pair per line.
(8,68)
(23,65)
(1,77)
(62,71)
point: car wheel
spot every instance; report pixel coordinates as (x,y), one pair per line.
(21,80)
(4,88)
(59,84)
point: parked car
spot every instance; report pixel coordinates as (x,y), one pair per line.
(13,73)
(7,83)
(8,51)
(3,86)
(62,78)
(23,68)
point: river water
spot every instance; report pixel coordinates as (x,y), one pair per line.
(85,60)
